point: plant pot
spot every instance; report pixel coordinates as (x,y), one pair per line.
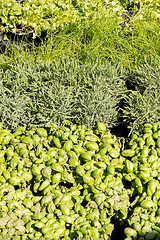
(20,35)
(13,46)
(2,47)
(39,39)
(20,1)
(1,36)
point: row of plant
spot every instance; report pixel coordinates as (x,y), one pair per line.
(99,64)
(37,92)
(117,31)
(49,16)
(70,182)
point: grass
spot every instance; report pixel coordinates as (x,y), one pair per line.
(105,38)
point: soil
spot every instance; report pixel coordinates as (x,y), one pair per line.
(118,232)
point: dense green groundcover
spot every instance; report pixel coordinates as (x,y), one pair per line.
(35,92)
(71,182)
(124,32)
(63,175)
(49,16)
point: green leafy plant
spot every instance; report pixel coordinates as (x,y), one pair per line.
(102,34)
(140,108)
(147,75)
(43,15)
(38,92)
(96,104)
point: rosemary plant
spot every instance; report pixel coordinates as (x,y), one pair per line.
(141,108)
(36,92)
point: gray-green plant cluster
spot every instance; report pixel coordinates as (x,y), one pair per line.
(143,103)
(38,92)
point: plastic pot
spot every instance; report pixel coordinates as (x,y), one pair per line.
(13,46)
(1,36)
(2,47)
(20,35)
